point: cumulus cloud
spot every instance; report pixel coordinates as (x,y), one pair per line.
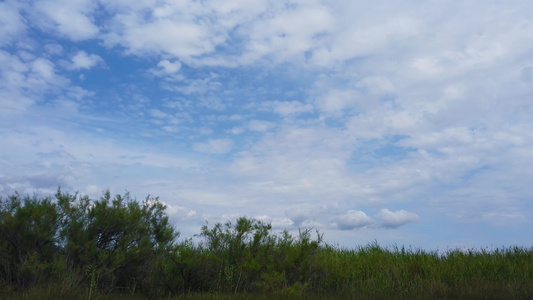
(304,215)
(352,219)
(395,219)
(82,60)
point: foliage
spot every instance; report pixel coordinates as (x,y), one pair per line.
(69,246)
(29,241)
(111,244)
(246,256)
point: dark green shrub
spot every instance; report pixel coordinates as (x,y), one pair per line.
(115,244)
(29,242)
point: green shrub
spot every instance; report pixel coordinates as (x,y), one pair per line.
(29,243)
(113,244)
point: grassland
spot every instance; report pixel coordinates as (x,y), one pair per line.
(70,247)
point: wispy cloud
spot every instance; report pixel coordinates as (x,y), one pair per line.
(214,146)
(70,19)
(12,23)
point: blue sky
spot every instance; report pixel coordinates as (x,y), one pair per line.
(407,123)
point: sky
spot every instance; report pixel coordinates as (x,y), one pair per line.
(408,123)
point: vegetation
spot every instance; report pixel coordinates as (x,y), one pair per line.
(72,247)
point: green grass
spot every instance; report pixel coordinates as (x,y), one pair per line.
(368,272)
(375,271)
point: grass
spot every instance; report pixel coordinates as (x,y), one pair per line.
(372,270)
(368,272)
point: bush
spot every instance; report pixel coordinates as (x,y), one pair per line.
(29,243)
(114,244)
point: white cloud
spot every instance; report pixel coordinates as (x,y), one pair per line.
(22,83)
(54,49)
(174,32)
(304,215)
(277,223)
(179,213)
(69,18)
(287,108)
(395,219)
(198,86)
(263,218)
(214,146)
(93,191)
(13,78)
(377,85)
(82,60)
(11,22)
(156,113)
(363,35)
(287,34)
(43,68)
(352,219)
(307,163)
(335,101)
(191,31)
(171,128)
(237,130)
(259,125)
(166,67)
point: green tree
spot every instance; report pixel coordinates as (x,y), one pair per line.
(115,244)
(118,241)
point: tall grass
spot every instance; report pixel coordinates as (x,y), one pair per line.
(393,272)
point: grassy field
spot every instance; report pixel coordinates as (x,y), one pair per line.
(366,273)
(116,248)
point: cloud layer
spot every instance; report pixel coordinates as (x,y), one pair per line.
(303,113)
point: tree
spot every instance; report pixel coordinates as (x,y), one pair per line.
(29,241)
(116,244)
(119,241)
